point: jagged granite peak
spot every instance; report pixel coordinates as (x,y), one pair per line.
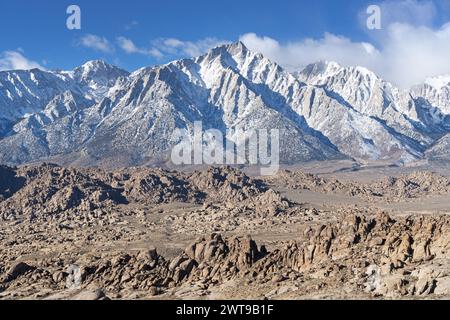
(436,93)
(315,73)
(402,110)
(98,69)
(98,77)
(101,114)
(24,93)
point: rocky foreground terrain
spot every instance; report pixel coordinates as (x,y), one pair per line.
(142,233)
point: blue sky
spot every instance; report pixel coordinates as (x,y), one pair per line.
(136,33)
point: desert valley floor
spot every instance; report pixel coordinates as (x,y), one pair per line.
(320,231)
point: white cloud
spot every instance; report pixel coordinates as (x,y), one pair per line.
(296,55)
(407,50)
(173,43)
(129,47)
(406,54)
(411,54)
(97,43)
(15,60)
(155,53)
(170,47)
(187,48)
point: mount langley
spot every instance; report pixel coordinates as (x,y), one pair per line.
(98,114)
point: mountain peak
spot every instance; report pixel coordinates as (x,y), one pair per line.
(318,70)
(95,65)
(235,48)
(321,67)
(342,110)
(229,54)
(98,69)
(238,45)
(96,62)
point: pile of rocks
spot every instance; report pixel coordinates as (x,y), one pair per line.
(297,180)
(49,192)
(399,188)
(378,255)
(211,261)
(155,186)
(9,182)
(224,184)
(411,186)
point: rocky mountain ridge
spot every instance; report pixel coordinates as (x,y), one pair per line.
(98,114)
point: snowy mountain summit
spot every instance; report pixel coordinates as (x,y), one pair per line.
(100,114)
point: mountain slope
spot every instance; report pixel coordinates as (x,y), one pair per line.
(99,114)
(409,117)
(440,150)
(23,93)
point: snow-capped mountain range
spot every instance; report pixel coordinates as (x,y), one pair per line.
(100,114)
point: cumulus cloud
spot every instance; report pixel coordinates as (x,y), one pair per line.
(97,43)
(406,55)
(15,60)
(296,55)
(408,49)
(411,54)
(170,47)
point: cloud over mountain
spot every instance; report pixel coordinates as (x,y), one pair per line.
(406,51)
(14,60)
